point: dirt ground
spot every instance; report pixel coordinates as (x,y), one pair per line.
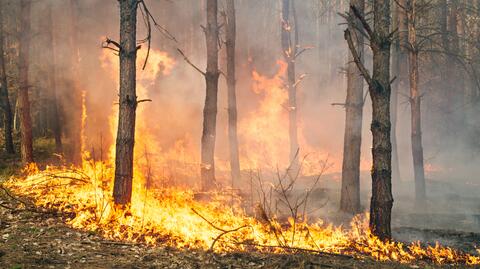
(41,240)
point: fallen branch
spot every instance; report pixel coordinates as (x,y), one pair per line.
(296,249)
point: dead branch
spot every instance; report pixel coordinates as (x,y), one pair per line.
(144,100)
(362,20)
(189,62)
(106,45)
(224,233)
(209,222)
(295,249)
(356,58)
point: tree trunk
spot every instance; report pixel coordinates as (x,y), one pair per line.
(23,99)
(289,48)
(4,99)
(350,194)
(382,198)
(122,191)
(210,109)
(52,104)
(232,98)
(399,69)
(415,100)
(74,95)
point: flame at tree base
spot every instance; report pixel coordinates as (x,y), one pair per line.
(174,218)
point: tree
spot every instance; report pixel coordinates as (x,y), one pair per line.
(289,47)
(210,108)
(379,88)
(122,190)
(350,193)
(400,72)
(52,106)
(26,147)
(415,104)
(4,98)
(232,98)
(73,93)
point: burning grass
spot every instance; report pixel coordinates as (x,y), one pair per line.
(172,217)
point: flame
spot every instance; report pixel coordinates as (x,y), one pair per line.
(160,214)
(176,163)
(172,217)
(264,132)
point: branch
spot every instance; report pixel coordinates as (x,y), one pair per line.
(356,58)
(144,100)
(189,62)
(302,51)
(361,18)
(106,45)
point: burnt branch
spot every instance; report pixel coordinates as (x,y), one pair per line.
(356,58)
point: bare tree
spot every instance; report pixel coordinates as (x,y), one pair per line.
(289,47)
(23,99)
(379,88)
(210,108)
(350,194)
(127,48)
(415,104)
(4,98)
(232,98)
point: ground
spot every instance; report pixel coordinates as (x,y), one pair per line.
(40,239)
(37,238)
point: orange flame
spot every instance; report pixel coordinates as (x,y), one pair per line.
(160,215)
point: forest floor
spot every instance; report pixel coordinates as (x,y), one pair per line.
(35,238)
(31,239)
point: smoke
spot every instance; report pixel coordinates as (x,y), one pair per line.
(173,119)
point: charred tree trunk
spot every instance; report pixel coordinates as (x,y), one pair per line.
(289,48)
(23,99)
(382,198)
(4,98)
(122,191)
(232,98)
(350,194)
(415,101)
(379,89)
(210,109)
(53,106)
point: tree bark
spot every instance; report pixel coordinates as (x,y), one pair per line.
(232,98)
(210,108)
(415,101)
(350,194)
(289,48)
(4,98)
(382,198)
(53,103)
(122,191)
(26,148)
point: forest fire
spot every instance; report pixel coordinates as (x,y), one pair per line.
(173,217)
(275,132)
